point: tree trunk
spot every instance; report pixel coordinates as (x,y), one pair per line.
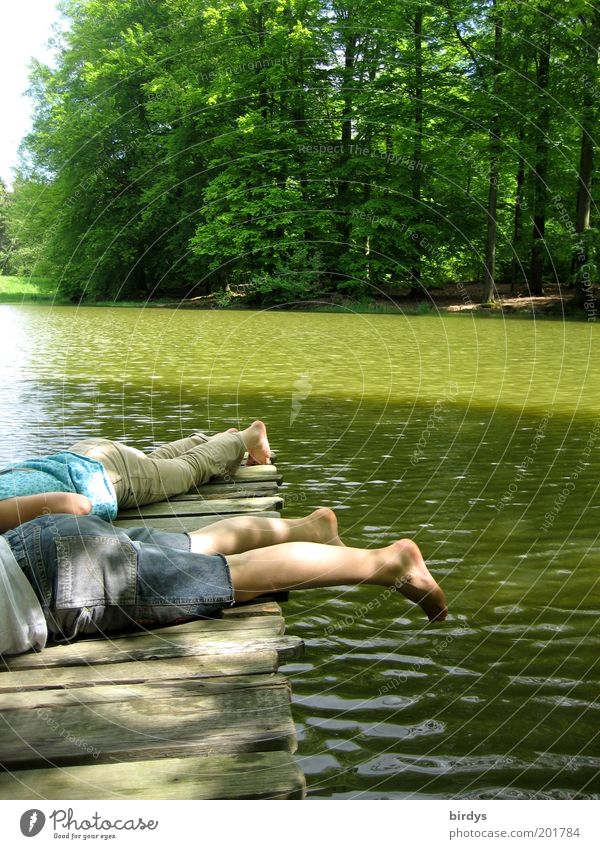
(516,269)
(416,176)
(581,259)
(489,280)
(518,215)
(540,193)
(368,187)
(263,97)
(343,193)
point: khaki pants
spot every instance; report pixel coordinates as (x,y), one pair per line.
(172,469)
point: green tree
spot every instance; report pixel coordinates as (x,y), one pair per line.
(583,263)
(3,226)
(293,149)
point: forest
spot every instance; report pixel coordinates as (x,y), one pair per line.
(292,150)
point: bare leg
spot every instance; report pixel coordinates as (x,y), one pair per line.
(254,438)
(229,430)
(140,478)
(242,533)
(302,565)
(170,450)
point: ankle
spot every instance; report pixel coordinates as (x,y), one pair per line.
(251,434)
(395,563)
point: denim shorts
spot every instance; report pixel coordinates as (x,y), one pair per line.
(93,578)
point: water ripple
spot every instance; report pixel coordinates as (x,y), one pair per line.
(516,665)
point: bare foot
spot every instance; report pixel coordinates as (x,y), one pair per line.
(321,526)
(405,569)
(257,444)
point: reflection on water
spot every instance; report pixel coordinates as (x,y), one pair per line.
(478,438)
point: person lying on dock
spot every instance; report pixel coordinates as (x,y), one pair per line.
(64,576)
(99,476)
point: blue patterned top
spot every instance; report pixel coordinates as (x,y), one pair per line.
(65,472)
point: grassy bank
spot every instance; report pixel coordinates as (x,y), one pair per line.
(19,290)
(42,290)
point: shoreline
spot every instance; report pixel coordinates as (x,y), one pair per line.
(453,300)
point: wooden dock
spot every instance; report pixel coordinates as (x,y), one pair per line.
(193,711)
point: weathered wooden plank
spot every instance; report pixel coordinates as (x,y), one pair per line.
(205,630)
(220,507)
(240,720)
(260,775)
(233,663)
(210,491)
(154,647)
(177,524)
(159,714)
(272,626)
(249,474)
(251,609)
(252,662)
(84,697)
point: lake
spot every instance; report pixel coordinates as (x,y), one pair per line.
(477,437)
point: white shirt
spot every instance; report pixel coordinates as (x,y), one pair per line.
(22,622)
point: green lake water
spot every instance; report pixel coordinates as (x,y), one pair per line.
(479,438)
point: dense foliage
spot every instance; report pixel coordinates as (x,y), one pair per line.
(293,149)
